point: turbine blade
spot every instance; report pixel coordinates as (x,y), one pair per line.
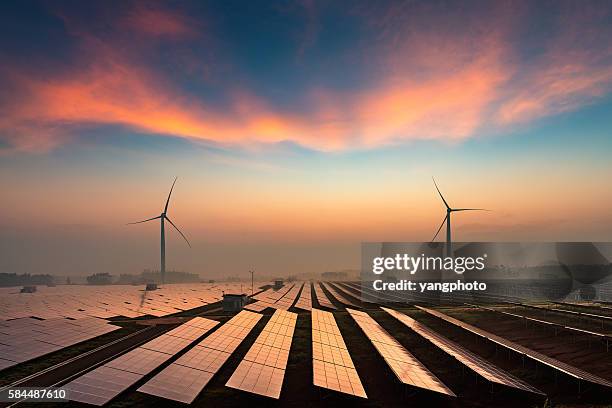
(169,194)
(140,222)
(179,231)
(438,231)
(441,196)
(469,209)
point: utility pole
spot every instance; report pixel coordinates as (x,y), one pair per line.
(252,273)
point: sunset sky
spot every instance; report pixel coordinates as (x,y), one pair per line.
(297,129)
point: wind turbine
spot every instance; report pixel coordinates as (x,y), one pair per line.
(162,218)
(447,220)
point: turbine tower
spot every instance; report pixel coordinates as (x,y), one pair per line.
(447,220)
(162,218)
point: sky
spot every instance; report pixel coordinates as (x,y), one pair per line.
(297,129)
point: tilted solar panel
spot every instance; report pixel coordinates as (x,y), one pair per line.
(340,297)
(263,368)
(184,379)
(322,297)
(304,302)
(465,357)
(534,355)
(407,368)
(332,365)
(104,383)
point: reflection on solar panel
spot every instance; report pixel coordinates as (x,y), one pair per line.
(305,300)
(80,301)
(332,365)
(465,357)
(534,355)
(322,297)
(286,301)
(271,298)
(25,339)
(339,295)
(185,378)
(104,383)
(263,368)
(404,365)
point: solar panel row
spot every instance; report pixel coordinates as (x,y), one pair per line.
(263,368)
(286,301)
(589,306)
(104,383)
(269,299)
(545,322)
(322,297)
(185,378)
(534,355)
(565,311)
(340,297)
(79,301)
(26,338)
(304,302)
(406,367)
(332,365)
(465,357)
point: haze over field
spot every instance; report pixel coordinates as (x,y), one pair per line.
(296,130)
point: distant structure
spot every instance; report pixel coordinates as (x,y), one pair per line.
(447,220)
(163,217)
(234,302)
(28,289)
(339,275)
(278,283)
(151,286)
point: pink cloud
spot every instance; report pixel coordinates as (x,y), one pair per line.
(432,80)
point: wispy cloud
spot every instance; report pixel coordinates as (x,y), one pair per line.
(434,76)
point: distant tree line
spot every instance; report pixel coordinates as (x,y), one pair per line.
(12,279)
(147,276)
(100,279)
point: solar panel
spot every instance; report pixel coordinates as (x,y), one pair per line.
(201,362)
(534,355)
(339,295)
(322,297)
(271,299)
(263,368)
(258,306)
(104,383)
(77,301)
(406,367)
(545,322)
(304,302)
(28,338)
(590,306)
(564,311)
(179,383)
(287,300)
(332,365)
(257,378)
(465,357)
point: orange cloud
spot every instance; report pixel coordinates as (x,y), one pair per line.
(434,85)
(115,92)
